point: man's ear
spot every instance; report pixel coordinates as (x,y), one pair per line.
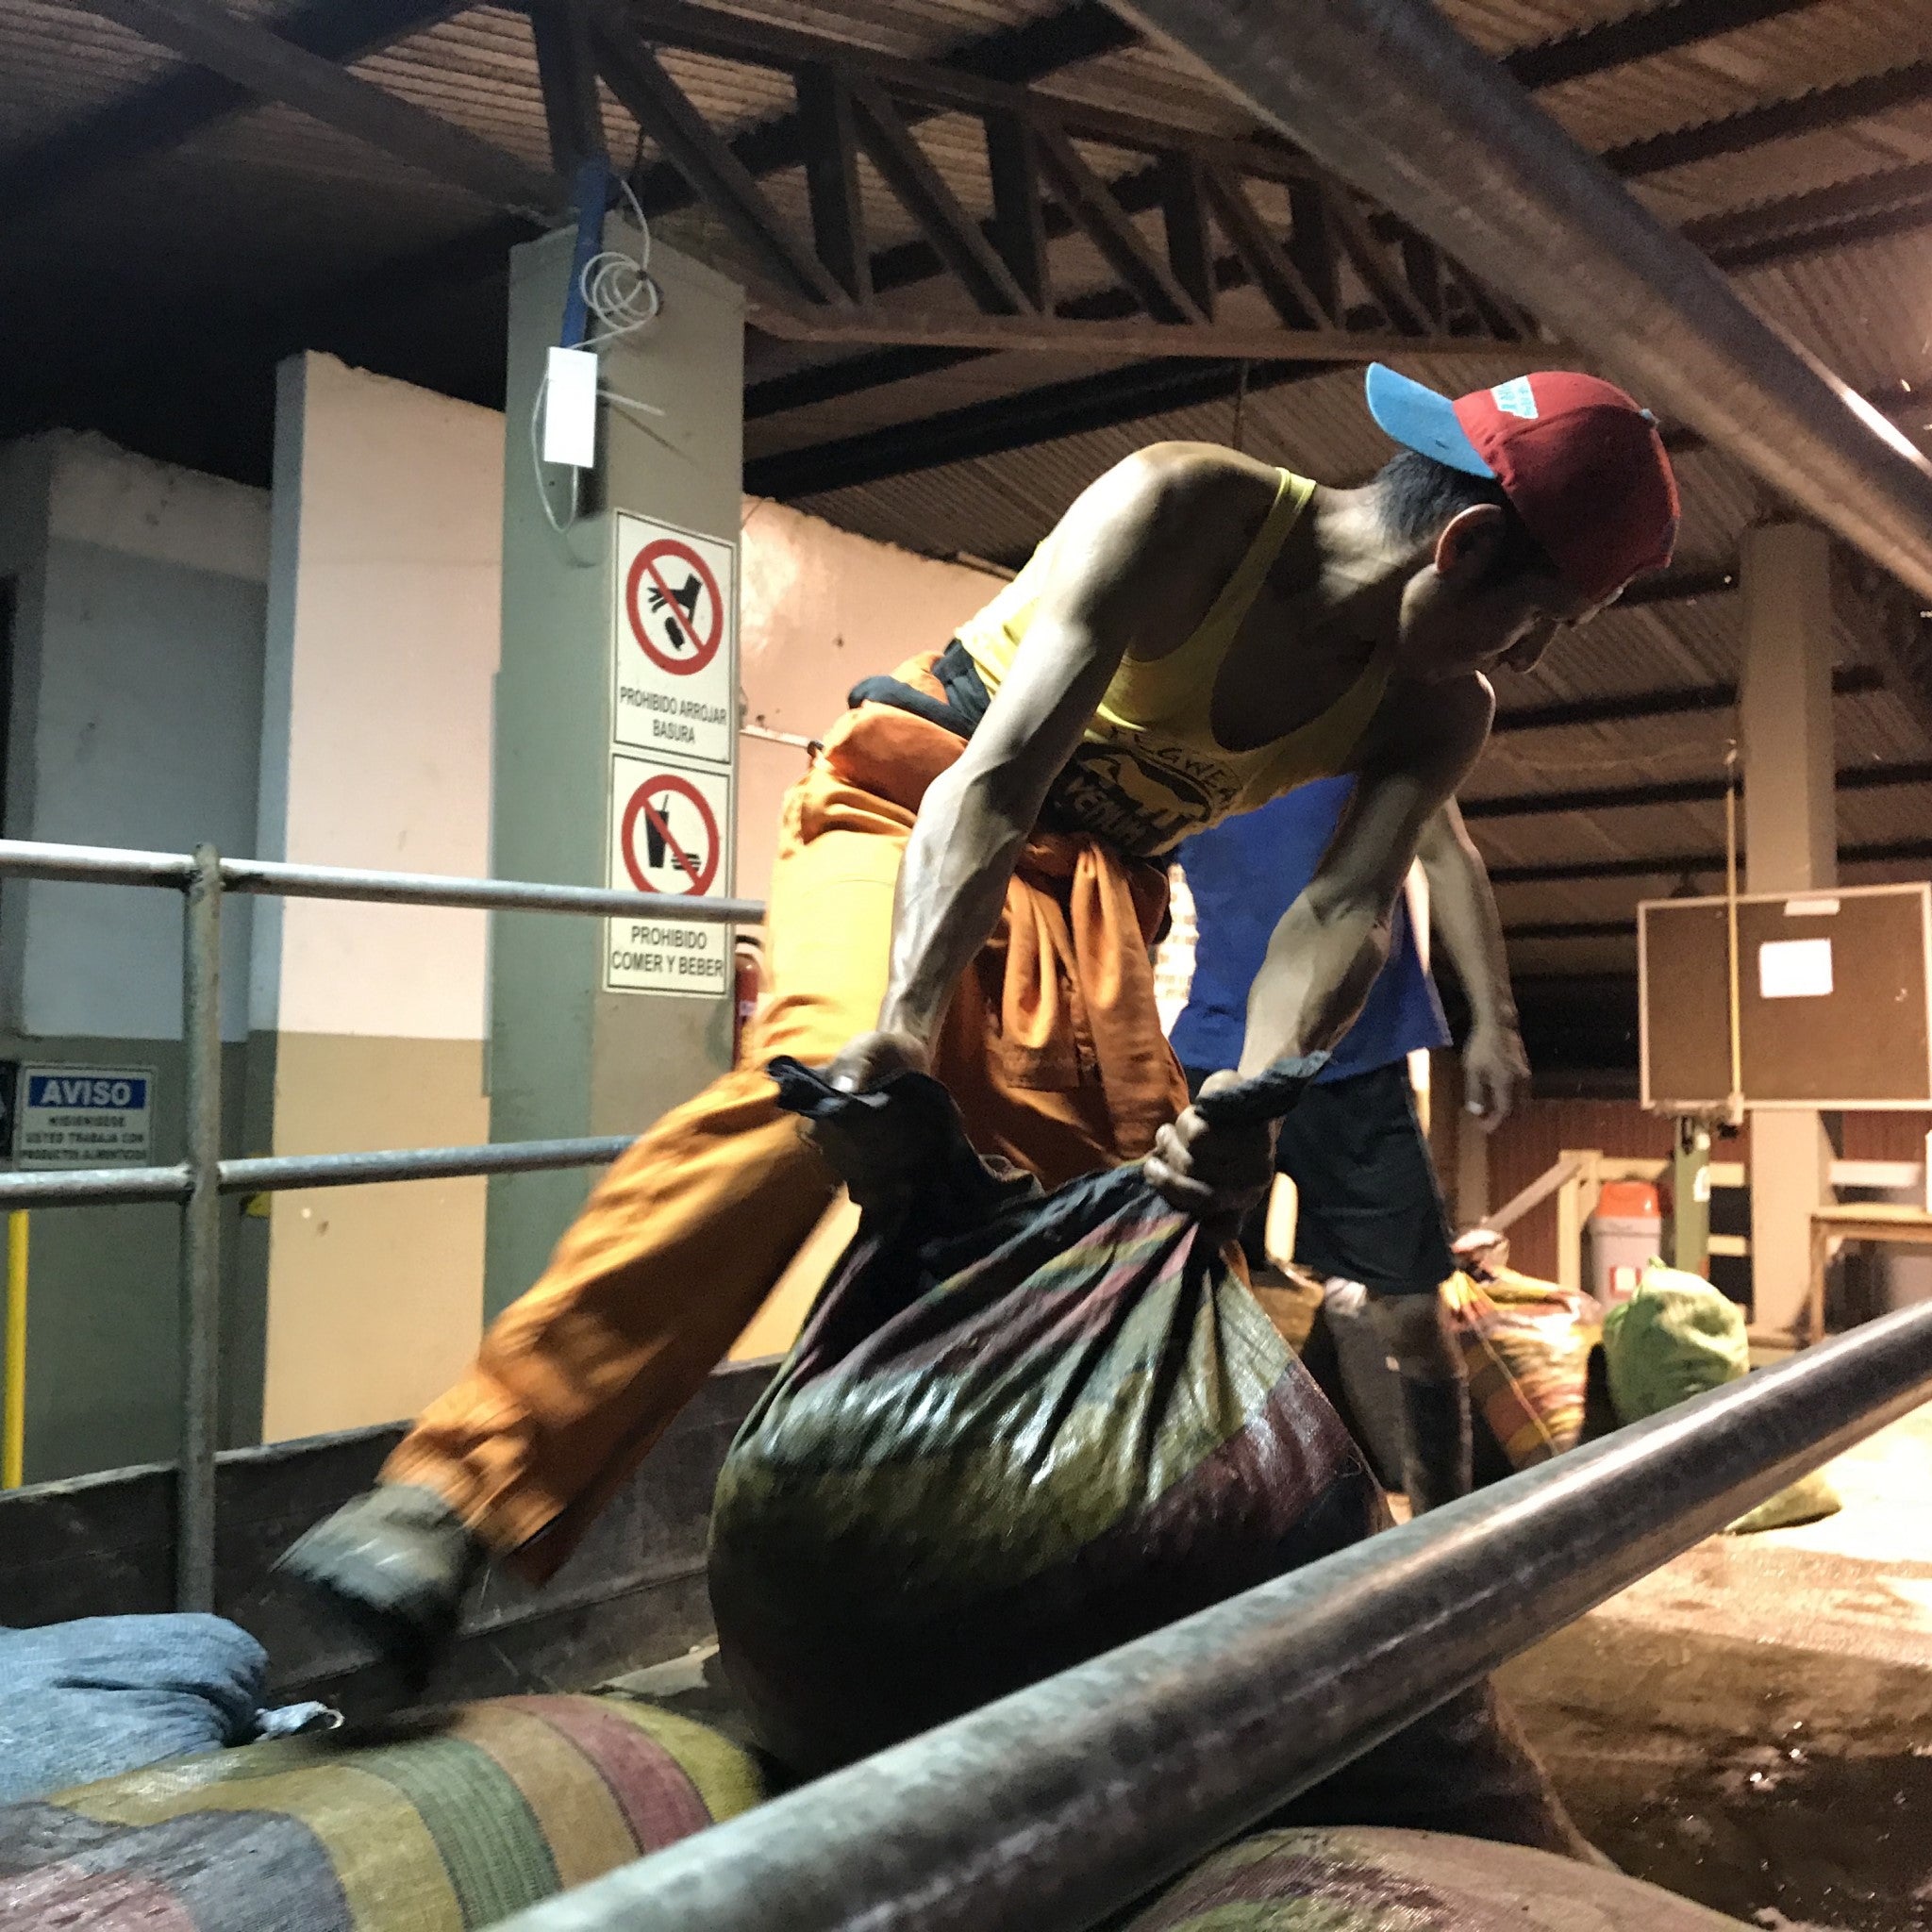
(1469,544)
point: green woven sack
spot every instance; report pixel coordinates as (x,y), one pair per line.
(1020,1429)
(1678,1337)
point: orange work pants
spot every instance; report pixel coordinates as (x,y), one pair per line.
(1052,1047)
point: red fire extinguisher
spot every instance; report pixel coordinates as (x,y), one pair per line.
(745,978)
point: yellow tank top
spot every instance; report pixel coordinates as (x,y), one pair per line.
(1150,772)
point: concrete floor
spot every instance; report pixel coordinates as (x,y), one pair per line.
(1751,1726)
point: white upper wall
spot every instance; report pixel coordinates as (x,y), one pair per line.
(820,608)
(383,642)
(137,688)
(125,503)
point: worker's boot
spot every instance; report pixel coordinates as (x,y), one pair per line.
(395,1564)
(1437,1452)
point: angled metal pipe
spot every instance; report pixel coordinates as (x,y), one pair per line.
(277,1172)
(1391,97)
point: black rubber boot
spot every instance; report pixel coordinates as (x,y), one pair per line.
(1437,1451)
(395,1564)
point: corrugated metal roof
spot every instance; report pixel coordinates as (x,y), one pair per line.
(479,70)
(1317,425)
(58,64)
(1774,59)
(1866,311)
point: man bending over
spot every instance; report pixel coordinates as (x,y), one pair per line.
(968,879)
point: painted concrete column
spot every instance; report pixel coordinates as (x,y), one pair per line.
(367,1021)
(569,1056)
(1790,845)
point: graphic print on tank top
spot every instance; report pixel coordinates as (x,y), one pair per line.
(1142,799)
(1149,771)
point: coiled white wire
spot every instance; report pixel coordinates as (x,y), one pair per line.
(624,297)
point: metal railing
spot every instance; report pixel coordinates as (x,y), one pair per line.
(1059,1804)
(201,1178)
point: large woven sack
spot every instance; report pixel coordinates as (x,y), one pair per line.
(1525,1344)
(100,1696)
(445,1822)
(1677,1337)
(1411,1881)
(1018,1431)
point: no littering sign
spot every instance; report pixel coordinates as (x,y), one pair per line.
(669,828)
(674,642)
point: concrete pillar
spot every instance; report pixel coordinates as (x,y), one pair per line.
(367,1021)
(1790,843)
(567,1057)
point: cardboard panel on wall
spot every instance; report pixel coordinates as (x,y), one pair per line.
(1833,999)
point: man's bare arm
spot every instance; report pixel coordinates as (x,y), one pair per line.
(1331,943)
(1105,594)
(1463,910)
(1333,940)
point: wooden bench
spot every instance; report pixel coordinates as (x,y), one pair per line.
(1866,1221)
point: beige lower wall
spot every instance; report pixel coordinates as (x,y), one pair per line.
(375,1294)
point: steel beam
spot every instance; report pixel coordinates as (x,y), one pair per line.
(567,75)
(278,70)
(1666,28)
(1391,97)
(1673,865)
(1035,415)
(1895,201)
(1517,804)
(707,163)
(831,176)
(950,231)
(1678,587)
(168,111)
(1848,681)
(1013,58)
(1806,113)
(1572,930)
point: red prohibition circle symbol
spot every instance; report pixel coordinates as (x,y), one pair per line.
(699,872)
(653,571)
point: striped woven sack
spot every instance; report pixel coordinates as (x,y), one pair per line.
(1411,1881)
(1527,1346)
(453,1820)
(1017,1431)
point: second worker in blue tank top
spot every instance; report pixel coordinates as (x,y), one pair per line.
(1369,1207)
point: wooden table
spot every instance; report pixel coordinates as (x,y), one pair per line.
(1869,1221)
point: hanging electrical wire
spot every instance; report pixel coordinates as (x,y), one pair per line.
(624,297)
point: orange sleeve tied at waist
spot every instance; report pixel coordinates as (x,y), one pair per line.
(1065,988)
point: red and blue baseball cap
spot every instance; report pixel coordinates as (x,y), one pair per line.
(1583,466)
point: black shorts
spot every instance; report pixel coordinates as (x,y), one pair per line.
(1370,1209)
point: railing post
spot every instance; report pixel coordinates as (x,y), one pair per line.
(1575,1201)
(13,1427)
(200,1236)
(1690,1197)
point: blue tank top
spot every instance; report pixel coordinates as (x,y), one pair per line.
(1244,874)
